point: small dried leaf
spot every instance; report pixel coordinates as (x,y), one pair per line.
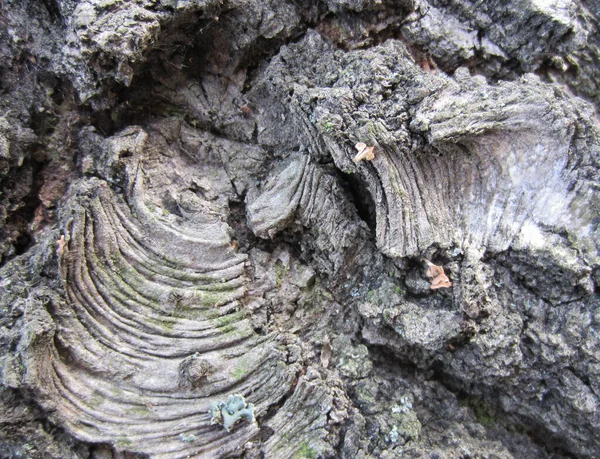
(437,276)
(440,282)
(326,353)
(434,271)
(62,245)
(364,152)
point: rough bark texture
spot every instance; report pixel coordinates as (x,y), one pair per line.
(181,221)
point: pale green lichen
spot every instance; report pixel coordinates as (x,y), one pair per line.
(241,369)
(187,438)
(122,442)
(96,399)
(393,436)
(306,452)
(138,411)
(228,319)
(229,412)
(215,297)
(409,426)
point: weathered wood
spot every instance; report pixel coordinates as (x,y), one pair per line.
(197,261)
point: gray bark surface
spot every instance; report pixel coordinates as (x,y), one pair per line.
(194,264)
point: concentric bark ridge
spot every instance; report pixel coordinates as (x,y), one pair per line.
(153,328)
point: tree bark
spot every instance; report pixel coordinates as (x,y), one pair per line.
(295,229)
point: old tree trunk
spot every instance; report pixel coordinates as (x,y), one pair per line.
(192,264)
